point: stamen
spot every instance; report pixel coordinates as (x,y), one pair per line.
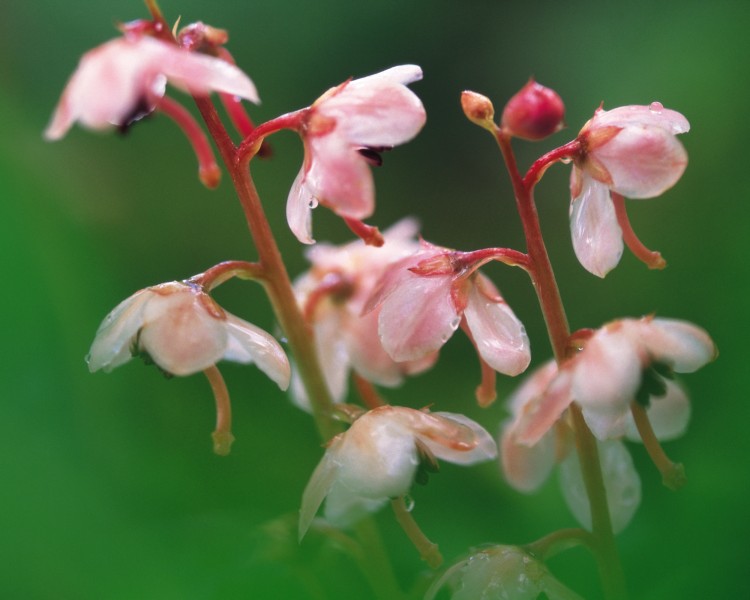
(652,259)
(672,474)
(222,435)
(370,235)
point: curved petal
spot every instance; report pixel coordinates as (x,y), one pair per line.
(682,345)
(669,415)
(500,337)
(597,237)
(378,110)
(339,177)
(418,317)
(299,205)
(112,344)
(542,412)
(316,490)
(654,115)
(180,335)
(454,437)
(643,162)
(247,343)
(621,482)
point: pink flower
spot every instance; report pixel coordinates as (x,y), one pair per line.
(332,295)
(609,373)
(631,151)
(373,113)
(527,466)
(124,79)
(378,457)
(424,298)
(183,331)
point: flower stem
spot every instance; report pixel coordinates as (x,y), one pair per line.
(276,279)
(673,474)
(543,279)
(222,435)
(427,550)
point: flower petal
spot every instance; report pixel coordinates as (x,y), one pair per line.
(525,467)
(247,343)
(669,415)
(418,317)
(317,489)
(112,344)
(597,237)
(454,437)
(621,482)
(682,345)
(299,207)
(653,115)
(500,337)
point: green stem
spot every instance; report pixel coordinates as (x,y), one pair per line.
(543,279)
(275,277)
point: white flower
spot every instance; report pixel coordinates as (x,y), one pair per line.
(378,456)
(183,331)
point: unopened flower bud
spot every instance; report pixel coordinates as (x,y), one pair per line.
(478,109)
(533,113)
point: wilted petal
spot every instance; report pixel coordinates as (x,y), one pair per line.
(683,346)
(597,237)
(112,344)
(250,344)
(418,317)
(621,482)
(669,415)
(500,337)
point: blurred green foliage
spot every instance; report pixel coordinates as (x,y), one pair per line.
(110,488)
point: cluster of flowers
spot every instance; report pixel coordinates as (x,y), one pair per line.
(384,313)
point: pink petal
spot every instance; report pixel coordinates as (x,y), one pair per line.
(378,110)
(500,337)
(597,237)
(541,413)
(332,353)
(250,344)
(526,467)
(653,115)
(643,162)
(317,489)
(682,345)
(454,437)
(621,482)
(418,317)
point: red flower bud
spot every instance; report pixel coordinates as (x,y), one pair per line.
(533,113)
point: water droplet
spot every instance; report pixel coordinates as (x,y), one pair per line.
(656,107)
(566,160)
(455,323)
(313,203)
(409,502)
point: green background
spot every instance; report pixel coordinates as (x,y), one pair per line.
(110,489)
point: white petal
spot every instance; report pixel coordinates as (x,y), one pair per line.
(621,482)
(344,508)
(316,490)
(640,115)
(669,415)
(112,344)
(597,237)
(250,344)
(500,337)
(299,207)
(332,354)
(682,345)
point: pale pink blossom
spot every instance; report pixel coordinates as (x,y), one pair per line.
(183,331)
(124,79)
(372,113)
(632,151)
(332,295)
(605,377)
(501,572)
(378,457)
(424,298)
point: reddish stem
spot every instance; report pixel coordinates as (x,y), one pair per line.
(222,435)
(224,271)
(535,172)
(252,144)
(367,392)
